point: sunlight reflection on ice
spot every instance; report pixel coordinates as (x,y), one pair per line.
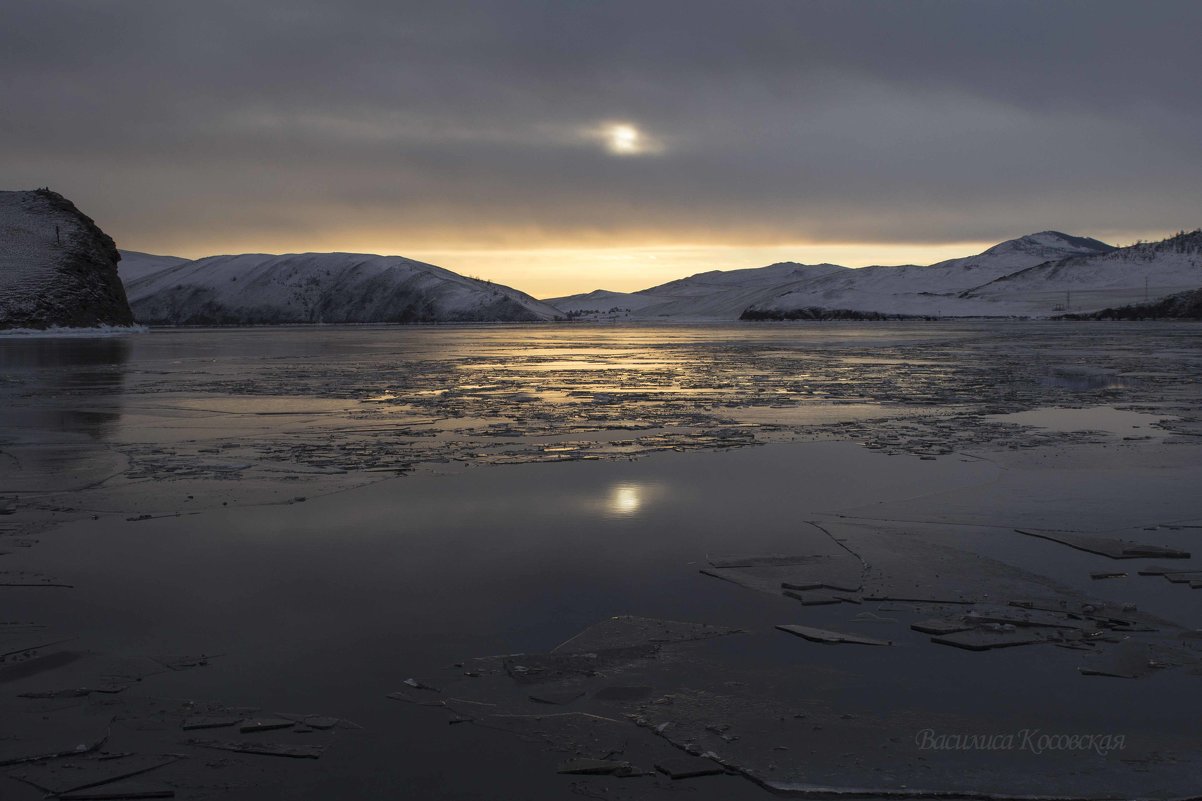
(625,500)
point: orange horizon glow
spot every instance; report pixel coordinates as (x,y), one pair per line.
(555,269)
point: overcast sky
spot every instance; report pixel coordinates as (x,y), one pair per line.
(569,144)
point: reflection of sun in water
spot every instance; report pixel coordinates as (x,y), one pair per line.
(625,500)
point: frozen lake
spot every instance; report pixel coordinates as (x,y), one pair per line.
(299,520)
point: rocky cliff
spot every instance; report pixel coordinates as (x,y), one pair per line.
(57,268)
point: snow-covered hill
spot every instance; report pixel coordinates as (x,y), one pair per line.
(603,303)
(256,288)
(782,289)
(935,290)
(1137,274)
(717,294)
(135,265)
(57,268)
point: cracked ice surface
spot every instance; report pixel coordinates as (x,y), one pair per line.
(204,529)
(235,412)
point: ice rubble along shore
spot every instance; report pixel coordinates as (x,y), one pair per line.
(57,268)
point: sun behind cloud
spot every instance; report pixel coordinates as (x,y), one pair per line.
(624,139)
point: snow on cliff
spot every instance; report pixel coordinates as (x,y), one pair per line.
(57,269)
(322,288)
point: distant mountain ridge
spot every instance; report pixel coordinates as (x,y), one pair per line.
(1045,245)
(721,293)
(258,289)
(787,289)
(1045,274)
(135,265)
(1075,282)
(1183,248)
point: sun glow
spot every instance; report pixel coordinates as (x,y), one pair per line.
(625,140)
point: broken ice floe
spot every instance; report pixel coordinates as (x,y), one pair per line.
(775,729)
(982,604)
(594,399)
(262,748)
(1107,546)
(1187,576)
(826,636)
(70,777)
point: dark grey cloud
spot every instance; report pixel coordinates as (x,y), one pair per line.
(457,121)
